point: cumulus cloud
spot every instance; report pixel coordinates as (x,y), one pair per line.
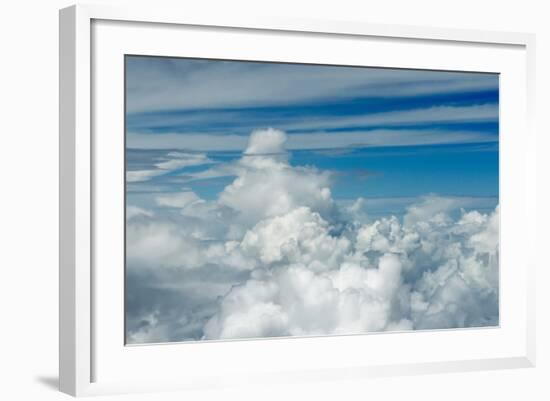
(266,142)
(292,263)
(267,185)
(434,273)
(294,300)
(299,236)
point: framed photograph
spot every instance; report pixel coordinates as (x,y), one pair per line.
(266,201)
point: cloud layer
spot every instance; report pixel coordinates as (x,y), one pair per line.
(213,105)
(275,255)
(187,84)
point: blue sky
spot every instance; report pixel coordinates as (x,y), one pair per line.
(382,133)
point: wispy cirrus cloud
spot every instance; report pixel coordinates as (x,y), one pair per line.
(155,84)
(313,140)
(166,164)
(244,121)
(430,115)
(202,105)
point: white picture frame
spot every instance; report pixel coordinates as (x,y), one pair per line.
(93,358)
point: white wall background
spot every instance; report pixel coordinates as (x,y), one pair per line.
(28,199)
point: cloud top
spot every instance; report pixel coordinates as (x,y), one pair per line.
(266,142)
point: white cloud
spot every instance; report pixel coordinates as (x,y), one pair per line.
(142,175)
(437,114)
(172,161)
(267,186)
(350,299)
(290,265)
(387,278)
(266,142)
(300,236)
(155,85)
(134,211)
(432,210)
(161,244)
(243,121)
(314,140)
(178,199)
(177,160)
(218,171)
(487,239)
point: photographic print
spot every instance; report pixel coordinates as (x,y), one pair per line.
(269,199)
